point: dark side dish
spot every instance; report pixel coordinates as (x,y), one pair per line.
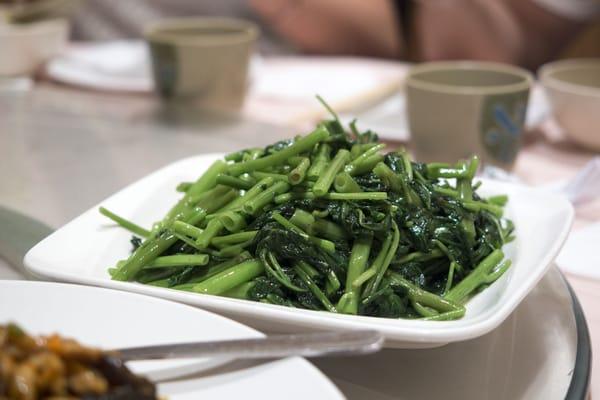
(56,368)
(328,221)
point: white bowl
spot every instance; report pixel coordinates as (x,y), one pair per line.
(24,48)
(573,88)
(82,250)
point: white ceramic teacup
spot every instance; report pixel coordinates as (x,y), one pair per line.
(573,88)
(202,60)
(460,108)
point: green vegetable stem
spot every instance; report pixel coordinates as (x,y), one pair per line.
(328,222)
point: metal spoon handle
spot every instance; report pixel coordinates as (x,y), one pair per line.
(305,345)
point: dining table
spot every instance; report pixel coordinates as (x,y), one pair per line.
(64,148)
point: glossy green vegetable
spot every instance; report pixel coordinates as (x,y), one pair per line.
(328,222)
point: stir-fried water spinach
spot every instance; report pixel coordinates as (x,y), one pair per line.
(328,222)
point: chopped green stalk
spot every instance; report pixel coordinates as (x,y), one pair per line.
(240,291)
(220,204)
(348,303)
(499,200)
(320,162)
(312,272)
(179,260)
(425,298)
(162,240)
(130,226)
(497,272)
(407,164)
(276,271)
(248,178)
(234,238)
(244,154)
(441,170)
(284,198)
(337,164)
(198,214)
(183,187)
(186,229)
(364,166)
(236,157)
(218,190)
(322,243)
(375,196)
(396,183)
(296,176)
(476,278)
(213,228)
(473,166)
(447,192)
(419,256)
(479,206)
(301,145)
(326,229)
(450,278)
(236,205)
(447,316)
(163,282)
(212,270)
(333,283)
(381,270)
(359,149)
(312,286)
(233,221)
(233,250)
(201,204)
(144,255)
(362,278)
(230,278)
(434,301)
(256,190)
(344,183)
(187,241)
(256,204)
(374,268)
(364,156)
(295,161)
(263,175)
(234,182)
(329,109)
(253,154)
(465,193)
(210,201)
(425,311)
(207,181)
(357,196)
(389,177)
(302,219)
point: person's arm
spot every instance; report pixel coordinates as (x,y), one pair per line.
(353,27)
(514,31)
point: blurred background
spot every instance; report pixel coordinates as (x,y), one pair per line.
(523,32)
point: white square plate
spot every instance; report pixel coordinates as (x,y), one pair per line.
(82,251)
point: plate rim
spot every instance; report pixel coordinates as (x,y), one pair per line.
(579,387)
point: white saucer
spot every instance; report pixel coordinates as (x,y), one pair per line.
(532,355)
